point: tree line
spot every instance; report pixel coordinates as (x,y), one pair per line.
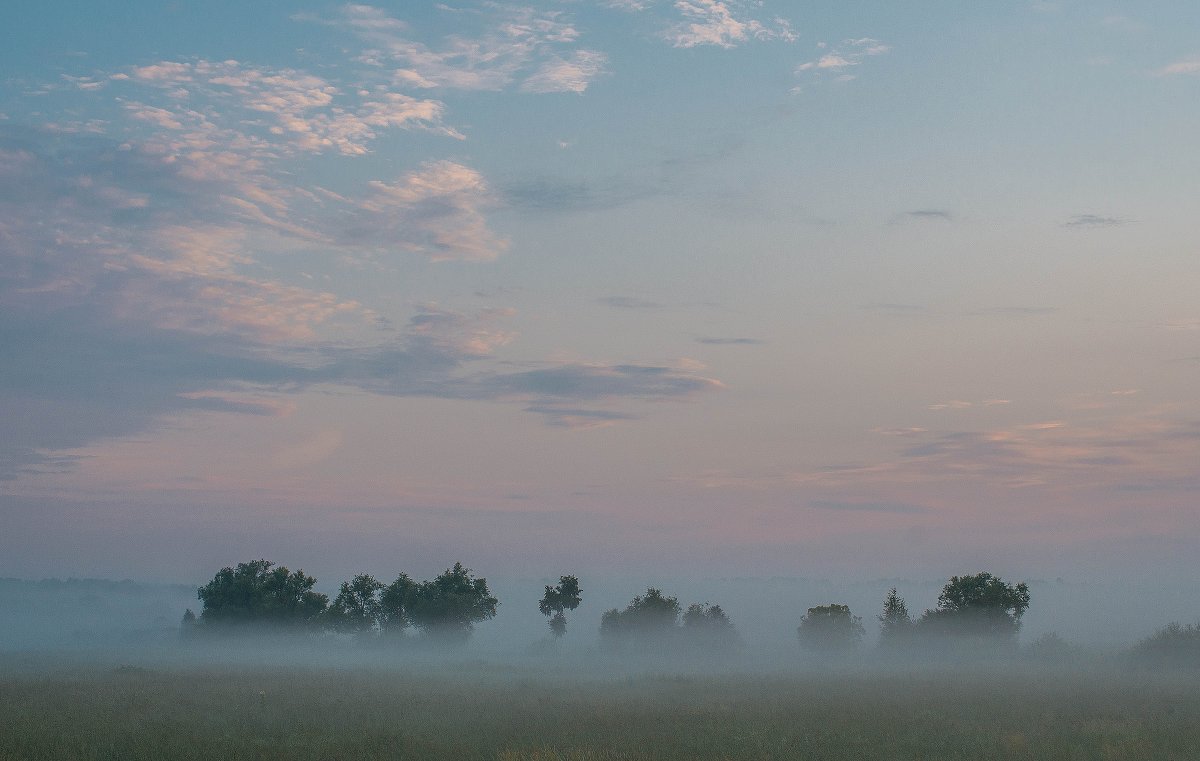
(978,611)
(447,607)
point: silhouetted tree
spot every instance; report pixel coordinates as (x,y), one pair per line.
(648,616)
(187,626)
(1175,645)
(358,608)
(566,595)
(709,626)
(981,606)
(830,629)
(394,603)
(448,607)
(258,593)
(895,623)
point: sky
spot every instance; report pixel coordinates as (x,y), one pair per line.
(608,287)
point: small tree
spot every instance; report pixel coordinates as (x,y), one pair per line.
(980,606)
(895,623)
(187,626)
(258,593)
(709,626)
(566,595)
(357,609)
(648,616)
(449,606)
(830,629)
(1176,645)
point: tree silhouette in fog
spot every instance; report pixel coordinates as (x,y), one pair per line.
(709,626)
(649,616)
(564,596)
(259,593)
(830,629)
(357,609)
(895,623)
(980,606)
(447,607)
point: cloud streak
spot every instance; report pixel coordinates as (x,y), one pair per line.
(722,24)
(533,49)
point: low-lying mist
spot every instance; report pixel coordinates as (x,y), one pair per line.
(1079,623)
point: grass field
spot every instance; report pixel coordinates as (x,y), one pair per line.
(490,712)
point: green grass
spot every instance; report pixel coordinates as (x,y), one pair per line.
(94,712)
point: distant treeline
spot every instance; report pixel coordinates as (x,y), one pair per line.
(974,613)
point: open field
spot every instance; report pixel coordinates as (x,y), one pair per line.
(481,711)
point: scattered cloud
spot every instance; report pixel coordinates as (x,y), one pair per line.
(900,431)
(1181,324)
(732,341)
(133,288)
(1095,220)
(572,74)
(1015,311)
(577,418)
(722,24)
(955,404)
(629,302)
(542,194)
(436,210)
(1139,453)
(930,214)
(870,507)
(839,60)
(888,307)
(534,49)
(260,110)
(1189,65)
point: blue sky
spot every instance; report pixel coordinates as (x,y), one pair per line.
(711,286)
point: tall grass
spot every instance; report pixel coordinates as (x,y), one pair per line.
(468,712)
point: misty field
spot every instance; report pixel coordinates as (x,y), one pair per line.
(481,711)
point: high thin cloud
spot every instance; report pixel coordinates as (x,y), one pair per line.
(940,215)
(437,210)
(1130,454)
(534,49)
(131,290)
(265,110)
(839,60)
(722,24)
(870,507)
(731,341)
(629,302)
(1095,220)
(1189,65)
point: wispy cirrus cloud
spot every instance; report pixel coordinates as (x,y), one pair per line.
(1188,65)
(512,45)
(1083,221)
(132,290)
(263,111)
(869,507)
(729,341)
(629,302)
(839,60)
(572,74)
(1148,452)
(722,24)
(937,215)
(436,210)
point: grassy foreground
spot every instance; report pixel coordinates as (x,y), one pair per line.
(491,713)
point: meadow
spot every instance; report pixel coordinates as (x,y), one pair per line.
(67,708)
